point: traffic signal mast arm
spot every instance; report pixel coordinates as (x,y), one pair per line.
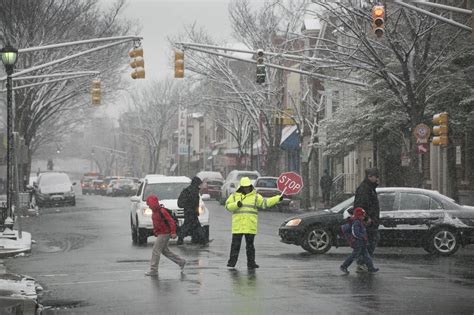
(433,15)
(271,65)
(65,76)
(67,58)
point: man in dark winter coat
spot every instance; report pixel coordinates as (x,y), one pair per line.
(366,198)
(189,201)
(326,184)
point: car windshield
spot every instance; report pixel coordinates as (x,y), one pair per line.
(342,206)
(54,179)
(164,190)
(249,175)
(266,183)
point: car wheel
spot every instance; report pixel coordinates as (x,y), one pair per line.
(141,236)
(134,232)
(444,241)
(317,240)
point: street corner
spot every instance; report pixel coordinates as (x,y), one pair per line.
(13,243)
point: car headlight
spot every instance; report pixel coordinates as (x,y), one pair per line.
(294,222)
(201,210)
(147,212)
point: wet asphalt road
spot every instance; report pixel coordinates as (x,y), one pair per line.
(86,263)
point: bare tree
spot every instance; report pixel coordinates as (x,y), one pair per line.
(39,22)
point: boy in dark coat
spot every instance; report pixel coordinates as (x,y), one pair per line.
(358,241)
(164,228)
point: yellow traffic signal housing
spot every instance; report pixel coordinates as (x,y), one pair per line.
(179,64)
(137,63)
(378,20)
(440,129)
(96,92)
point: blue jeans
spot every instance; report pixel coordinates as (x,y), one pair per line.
(360,253)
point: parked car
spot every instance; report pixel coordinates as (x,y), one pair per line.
(267,187)
(53,188)
(232,182)
(408,217)
(213,182)
(167,189)
(121,187)
(99,187)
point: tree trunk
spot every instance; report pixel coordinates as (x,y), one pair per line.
(306,195)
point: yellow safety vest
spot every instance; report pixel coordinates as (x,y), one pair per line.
(245,218)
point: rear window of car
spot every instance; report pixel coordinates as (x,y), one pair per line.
(164,190)
(125,182)
(53,179)
(266,183)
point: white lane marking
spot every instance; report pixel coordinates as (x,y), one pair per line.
(103,272)
(422,278)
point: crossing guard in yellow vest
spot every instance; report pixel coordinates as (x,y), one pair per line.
(244,205)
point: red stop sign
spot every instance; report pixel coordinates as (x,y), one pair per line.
(289,183)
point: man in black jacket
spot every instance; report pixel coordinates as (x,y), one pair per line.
(366,198)
(189,201)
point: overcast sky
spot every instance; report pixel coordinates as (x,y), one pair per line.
(163,18)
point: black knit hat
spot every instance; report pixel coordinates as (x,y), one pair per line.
(196,181)
(372,172)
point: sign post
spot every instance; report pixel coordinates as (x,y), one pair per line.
(289,183)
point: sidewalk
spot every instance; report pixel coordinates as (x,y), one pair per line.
(17,292)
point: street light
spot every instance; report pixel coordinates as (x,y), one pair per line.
(9,58)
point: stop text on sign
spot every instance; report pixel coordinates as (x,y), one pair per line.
(289,183)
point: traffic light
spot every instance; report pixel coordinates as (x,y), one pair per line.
(179,64)
(96,92)
(261,71)
(137,63)
(378,20)
(440,129)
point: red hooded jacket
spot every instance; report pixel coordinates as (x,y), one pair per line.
(159,226)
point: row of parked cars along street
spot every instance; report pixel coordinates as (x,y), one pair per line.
(109,186)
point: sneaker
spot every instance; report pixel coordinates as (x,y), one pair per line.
(361,269)
(182,266)
(151,274)
(373,270)
(229,265)
(344,270)
(253,266)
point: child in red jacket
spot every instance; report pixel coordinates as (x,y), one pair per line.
(164,228)
(358,241)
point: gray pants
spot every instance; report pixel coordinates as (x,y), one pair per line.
(161,247)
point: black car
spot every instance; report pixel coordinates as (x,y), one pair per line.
(408,217)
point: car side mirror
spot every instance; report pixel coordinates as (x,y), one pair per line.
(205,197)
(134,199)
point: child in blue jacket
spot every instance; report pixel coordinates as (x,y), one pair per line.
(358,241)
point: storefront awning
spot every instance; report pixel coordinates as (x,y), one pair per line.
(290,139)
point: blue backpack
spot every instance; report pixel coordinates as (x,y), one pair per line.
(346,231)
